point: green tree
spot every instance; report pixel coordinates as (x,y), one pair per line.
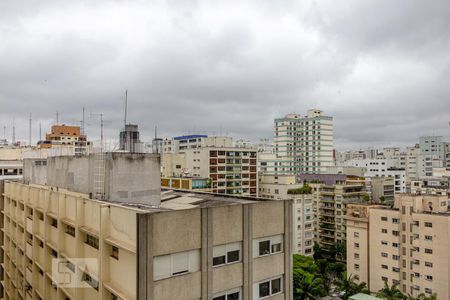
(318,251)
(348,286)
(382,199)
(422,296)
(307,285)
(390,292)
(307,278)
(366,197)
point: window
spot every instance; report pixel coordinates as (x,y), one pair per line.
(383,230)
(384,278)
(233,294)
(428,251)
(395,245)
(356,245)
(226,254)
(395,269)
(384,243)
(70,266)
(395,220)
(428,224)
(428,238)
(91,241)
(383,218)
(395,257)
(356,266)
(115,252)
(428,291)
(356,234)
(384,267)
(90,281)
(428,264)
(70,230)
(54,222)
(384,254)
(266,246)
(268,288)
(356,255)
(174,264)
(395,233)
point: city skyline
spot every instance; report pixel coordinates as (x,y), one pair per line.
(379,70)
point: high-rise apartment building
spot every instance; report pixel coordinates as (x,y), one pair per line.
(406,245)
(282,187)
(138,243)
(231,170)
(331,193)
(303,144)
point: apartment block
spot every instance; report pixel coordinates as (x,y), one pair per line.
(66,137)
(303,144)
(282,187)
(408,244)
(189,246)
(331,193)
(231,170)
(382,187)
(179,144)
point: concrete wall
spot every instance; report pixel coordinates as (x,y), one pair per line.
(133,177)
(34,173)
(128,177)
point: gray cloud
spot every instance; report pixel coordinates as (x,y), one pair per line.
(381,68)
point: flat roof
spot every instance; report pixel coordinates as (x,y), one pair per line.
(192,136)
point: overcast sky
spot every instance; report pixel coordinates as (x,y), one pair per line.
(380,68)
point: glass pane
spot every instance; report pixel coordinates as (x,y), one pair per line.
(264,289)
(233,296)
(233,256)
(276,248)
(276,285)
(264,247)
(219,298)
(220,260)
(180,263)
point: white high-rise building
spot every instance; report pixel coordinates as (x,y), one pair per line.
(303,144)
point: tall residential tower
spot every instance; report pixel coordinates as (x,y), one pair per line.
(303,144)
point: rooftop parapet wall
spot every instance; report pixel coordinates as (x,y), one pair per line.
(128,177)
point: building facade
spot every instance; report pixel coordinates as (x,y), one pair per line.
(282,187)
(60,243)
(303,144)
(408,245)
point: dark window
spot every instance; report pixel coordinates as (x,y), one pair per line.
(264,289)
(264,247)
(233,256)
(220,260)
(276,286)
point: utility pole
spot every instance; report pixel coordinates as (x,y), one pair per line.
(40,131)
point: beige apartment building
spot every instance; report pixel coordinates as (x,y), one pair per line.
(282,187)
(232,170)
(407,244)
(61,243)
(331,193)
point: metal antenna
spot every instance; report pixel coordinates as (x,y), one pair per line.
(4,132)
(82,123)
(40,132)
(14,132)
(29,131)
(125,111)
(57,118)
